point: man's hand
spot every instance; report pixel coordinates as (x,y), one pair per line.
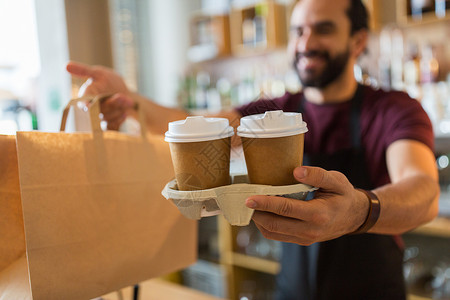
(102,80)
(336,210)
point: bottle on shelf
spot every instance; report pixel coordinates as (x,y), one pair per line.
(441,7)
(254,32)
(257,28)
(259,22)
(186,89)
(420,7)
(397,54)
(201,93)
(250,241)
(223,86)
(248,32)
(384,60)
(204,33)
(411,71)
(412,65)
(246,88)
(429,65)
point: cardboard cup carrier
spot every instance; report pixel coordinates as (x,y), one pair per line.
(200,149)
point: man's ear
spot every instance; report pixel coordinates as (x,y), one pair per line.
(359,41)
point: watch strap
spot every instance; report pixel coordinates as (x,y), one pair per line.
(372,215)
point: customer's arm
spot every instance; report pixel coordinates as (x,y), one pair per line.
(115,109)
(158,116)
(338,208)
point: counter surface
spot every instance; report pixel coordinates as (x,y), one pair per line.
(159,289)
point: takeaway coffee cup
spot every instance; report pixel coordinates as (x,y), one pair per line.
(273,146)
(200,150)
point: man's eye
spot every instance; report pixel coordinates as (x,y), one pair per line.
(325,30)
(298,32)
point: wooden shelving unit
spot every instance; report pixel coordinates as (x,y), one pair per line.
(388,12)
(273,25)
(230,33)
(381,12)
(210,31)
(255,263)
(415,297)
(439,227)
(405,18)
(240,267)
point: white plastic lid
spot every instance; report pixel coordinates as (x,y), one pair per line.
(198,129)
(272,124)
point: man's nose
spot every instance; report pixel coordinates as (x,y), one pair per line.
(306,42)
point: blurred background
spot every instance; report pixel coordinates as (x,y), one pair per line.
(206,55)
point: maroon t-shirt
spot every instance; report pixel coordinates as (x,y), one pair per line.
(385,118)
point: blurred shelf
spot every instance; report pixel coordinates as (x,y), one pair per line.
(404,17)
(415,297)
(388,12)
(254,263)
(270,33)
(161,289)
(441,143)
(427,18)
(210,37)
(439,227)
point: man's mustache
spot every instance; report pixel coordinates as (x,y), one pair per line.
(310,54)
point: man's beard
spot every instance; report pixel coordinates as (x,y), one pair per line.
(333,68)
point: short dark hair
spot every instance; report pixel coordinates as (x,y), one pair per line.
(359,18)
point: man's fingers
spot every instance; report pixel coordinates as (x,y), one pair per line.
(80,70)
(283,237)
(278,224)
(286,207)
(276,236)
(332,181)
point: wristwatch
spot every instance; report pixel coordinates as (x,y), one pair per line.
(373,214)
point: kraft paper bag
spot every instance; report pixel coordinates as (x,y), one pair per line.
(13,267)
(12,238)
(94,218)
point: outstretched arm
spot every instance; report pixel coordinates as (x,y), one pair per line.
(102,80)
(338,208)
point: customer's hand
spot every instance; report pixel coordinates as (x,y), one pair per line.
(102,80)
(99,79)
(116,109)
(337,209)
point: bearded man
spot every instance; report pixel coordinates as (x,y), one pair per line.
(369,152)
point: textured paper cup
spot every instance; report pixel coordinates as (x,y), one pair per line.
(200,149)
(201,165)
(273,146)
(271,161)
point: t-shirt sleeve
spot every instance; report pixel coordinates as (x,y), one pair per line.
(287,102)
(408,120)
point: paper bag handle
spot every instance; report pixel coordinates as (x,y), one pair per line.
(94,112)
